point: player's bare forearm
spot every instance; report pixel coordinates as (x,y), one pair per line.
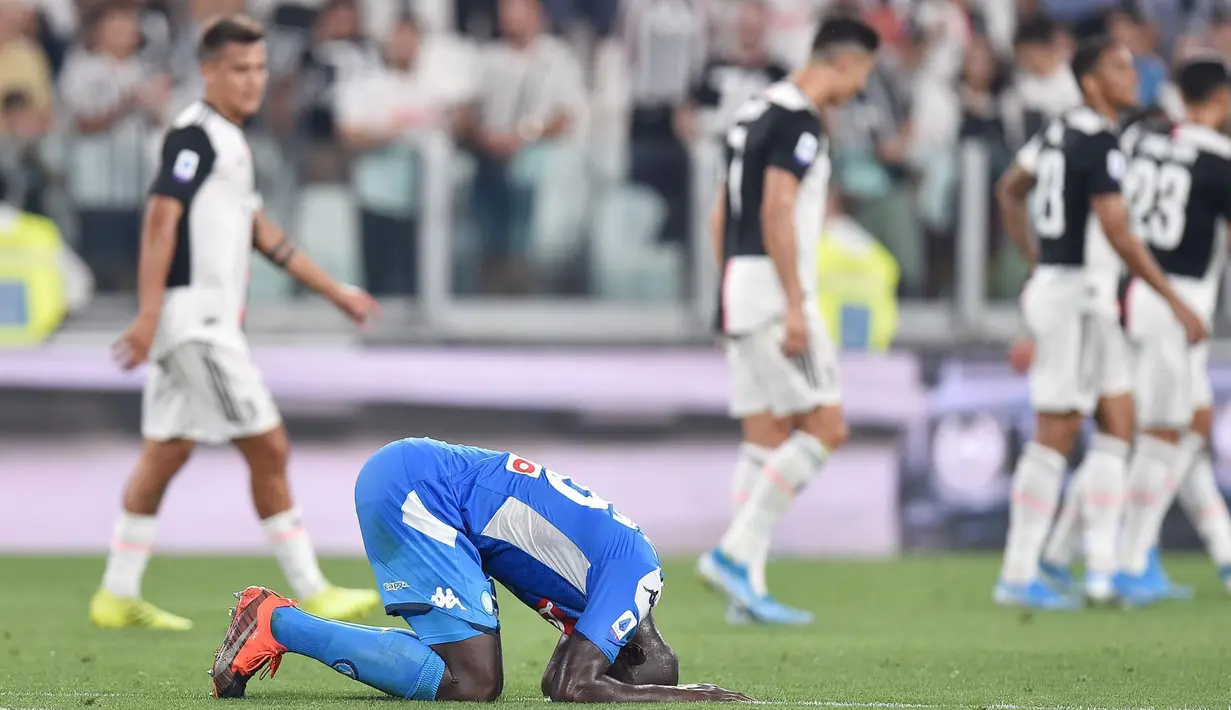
(581,676)
(301,268)
(1011,193)
(272,241)
(1113,216)
(778,227)
(158,230)
(606,690)
(717,223)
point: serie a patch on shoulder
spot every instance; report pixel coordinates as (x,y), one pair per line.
(806,148)
(1117,165)
(186,164)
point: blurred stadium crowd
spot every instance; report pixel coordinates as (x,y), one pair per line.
(573,132)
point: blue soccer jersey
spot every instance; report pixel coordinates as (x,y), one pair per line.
(440,521)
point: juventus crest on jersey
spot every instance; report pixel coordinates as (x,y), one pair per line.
(781,128)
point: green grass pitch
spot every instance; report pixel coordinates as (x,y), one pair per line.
(918,632)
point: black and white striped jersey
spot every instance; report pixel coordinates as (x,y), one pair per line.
(1178,191)
(781,129)
(1075,158)
(206,165)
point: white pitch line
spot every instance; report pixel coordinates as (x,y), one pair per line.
(837,704)
(56,694)
(949,706)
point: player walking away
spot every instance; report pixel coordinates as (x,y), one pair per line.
(1179,194)
(1074,168)
(784,366)
(202,219)
(439,523)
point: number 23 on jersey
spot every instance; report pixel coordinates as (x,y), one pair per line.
(1157,195)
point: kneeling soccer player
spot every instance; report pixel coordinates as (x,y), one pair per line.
(440,522)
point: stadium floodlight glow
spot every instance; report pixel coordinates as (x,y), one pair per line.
(968,458)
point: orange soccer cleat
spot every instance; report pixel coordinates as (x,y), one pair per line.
(249,644)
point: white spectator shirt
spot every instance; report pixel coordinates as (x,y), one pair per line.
(530,84)
(385,98)
(1050,95)
(207,166)
(108,169)
(666,46)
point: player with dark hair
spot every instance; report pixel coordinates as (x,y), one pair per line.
(1071,171)
(766,223)
(202,220)
(440,522)
(1176,186)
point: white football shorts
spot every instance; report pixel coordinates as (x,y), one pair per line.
(764,379)
(1080,356)
(206,392)
(1172,377)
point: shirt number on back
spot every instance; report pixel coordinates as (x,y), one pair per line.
(1047,202)
(1157,198)
(737,140)
(565,486)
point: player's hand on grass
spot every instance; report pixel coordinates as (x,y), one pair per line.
(1193,327)
(357,304)
(795,340)
(710,693)
(133,347)
(1021,354)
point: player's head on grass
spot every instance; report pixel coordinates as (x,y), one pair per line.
(843,55)
(1205,85)
(1104,71)
(233,62)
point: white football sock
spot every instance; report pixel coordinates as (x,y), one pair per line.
(1191,448)
(1203,503)
(1102,501)
(748,467)
(131,542)
(1036,489)
(1147,500)
(289,540)
(1065,540)
(787,470)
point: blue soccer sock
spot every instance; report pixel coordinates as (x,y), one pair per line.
(393,661)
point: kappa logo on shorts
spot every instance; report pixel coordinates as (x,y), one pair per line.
(623,625)
(394,586)
(445,599)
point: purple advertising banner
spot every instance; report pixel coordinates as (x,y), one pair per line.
(678,491)
(877,389)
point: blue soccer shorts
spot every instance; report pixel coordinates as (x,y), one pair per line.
(427,572)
